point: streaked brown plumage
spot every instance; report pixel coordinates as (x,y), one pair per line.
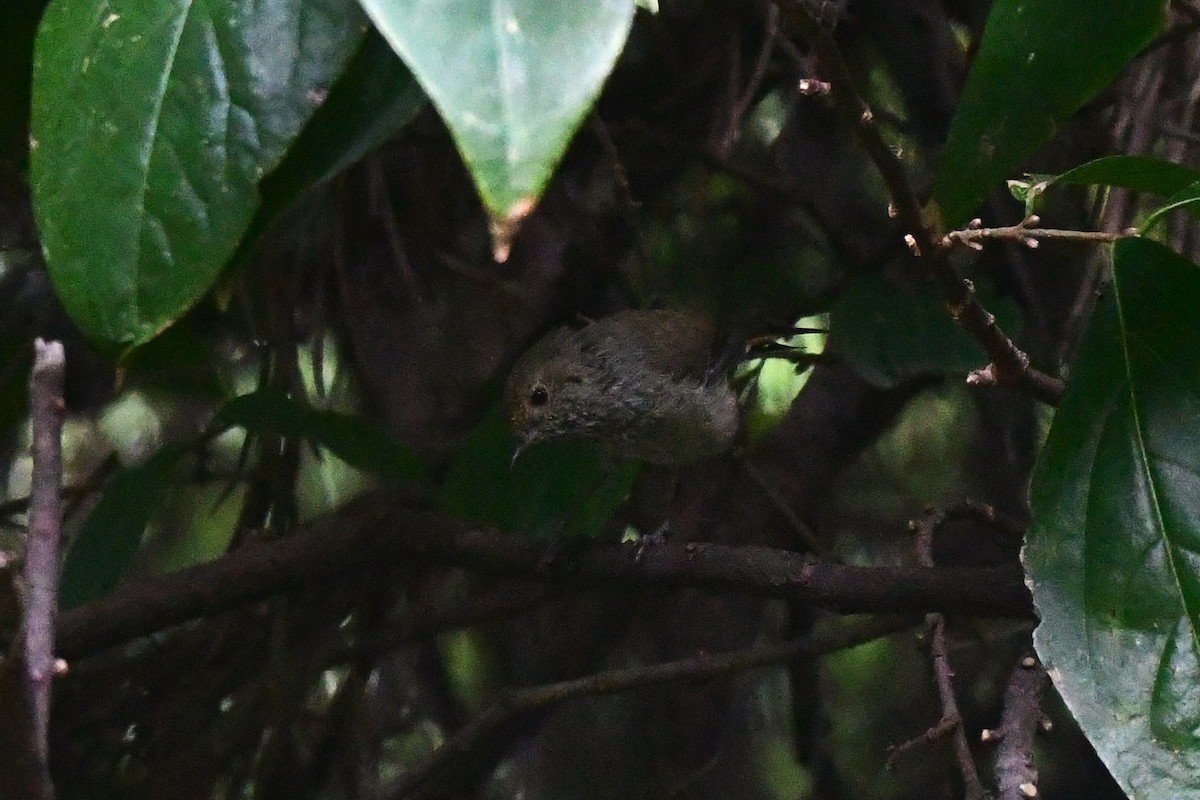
(638,383)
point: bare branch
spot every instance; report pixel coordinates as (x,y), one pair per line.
(1010,365)
(1026,233)
(943,672)
(377,531)
(27,674)
(47,410)
(940,730)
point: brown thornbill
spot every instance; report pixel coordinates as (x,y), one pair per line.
(639,384)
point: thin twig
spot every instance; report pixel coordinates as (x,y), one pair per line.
(803,533)
(20,505)
(923,530)
(518,703)
(1010,365)
(973,789)
(47,410)
(1027,234)
(988,515)
(742,105)
(784,192)
(940,730)
(803,359)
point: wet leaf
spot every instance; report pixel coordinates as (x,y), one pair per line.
(1114,551)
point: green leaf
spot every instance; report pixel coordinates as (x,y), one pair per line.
(352,439)
(1027,192)
(1139,173)
(374,98)
(1187,198)
(1037,64)
(889,333)
(206,517)
(1114,551)
(554,488)
(511,78)
(103,551)
(153,124)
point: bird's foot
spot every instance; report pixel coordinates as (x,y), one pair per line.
(651,540)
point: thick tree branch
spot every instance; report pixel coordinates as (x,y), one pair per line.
(377,531)
(1010,365)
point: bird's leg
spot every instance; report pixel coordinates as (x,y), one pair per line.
(651,501)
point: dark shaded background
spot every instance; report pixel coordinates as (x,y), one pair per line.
(704,179)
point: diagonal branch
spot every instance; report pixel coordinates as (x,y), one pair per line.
(1010,365)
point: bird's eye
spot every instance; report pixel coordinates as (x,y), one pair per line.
(538,396)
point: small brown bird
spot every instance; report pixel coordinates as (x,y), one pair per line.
(639,384)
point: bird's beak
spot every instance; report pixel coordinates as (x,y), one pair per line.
(523,442)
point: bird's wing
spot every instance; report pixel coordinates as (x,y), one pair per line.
(676,343)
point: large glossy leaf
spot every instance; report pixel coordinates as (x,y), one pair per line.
(375,97)
(1037,64)
(1138,173)
(511,78)
(1114,551)
(153,124)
